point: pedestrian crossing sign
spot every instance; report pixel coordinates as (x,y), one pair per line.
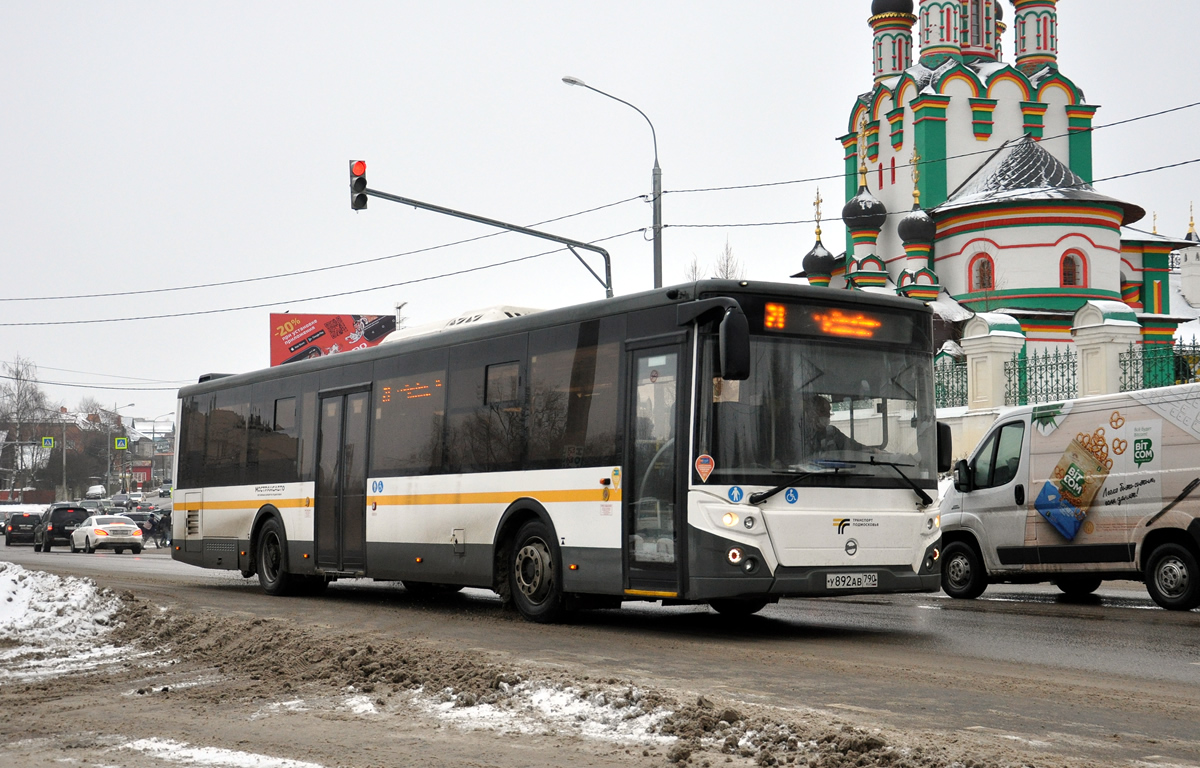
(121,443)
(47,442)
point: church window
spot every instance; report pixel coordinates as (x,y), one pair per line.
(1022,43)
(977,22)
(878,57)
(881,175)
(982,273)
(893,169)
(1072,270)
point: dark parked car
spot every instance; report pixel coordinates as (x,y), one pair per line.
(56,526)
(20,527)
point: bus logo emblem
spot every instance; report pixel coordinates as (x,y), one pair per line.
(735,494)
(792,495)
(841,523)
(851,547)
(704,467)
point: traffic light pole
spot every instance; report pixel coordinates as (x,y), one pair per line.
(571,244)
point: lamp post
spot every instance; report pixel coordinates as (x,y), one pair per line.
(108,465)
(154,442)
(656,178)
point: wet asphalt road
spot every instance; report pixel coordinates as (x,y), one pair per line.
(1112,677)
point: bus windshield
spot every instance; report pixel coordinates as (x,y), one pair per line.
(826,409)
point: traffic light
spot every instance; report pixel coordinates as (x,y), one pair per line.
(358,185)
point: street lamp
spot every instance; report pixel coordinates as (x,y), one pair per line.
(656,178)
(108,466)
(154,442)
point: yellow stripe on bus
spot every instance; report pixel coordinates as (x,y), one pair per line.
(505,497)
(422,499)
(649,593)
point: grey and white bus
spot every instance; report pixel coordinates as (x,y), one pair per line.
(658,446)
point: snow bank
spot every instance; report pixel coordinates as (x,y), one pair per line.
(50,625)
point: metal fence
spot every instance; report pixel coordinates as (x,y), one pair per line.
(950,383)
(1041,377)
(1146,366)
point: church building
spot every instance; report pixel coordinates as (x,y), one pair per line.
(969,179)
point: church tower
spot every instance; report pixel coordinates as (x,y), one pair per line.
(1036,30)
(892,21)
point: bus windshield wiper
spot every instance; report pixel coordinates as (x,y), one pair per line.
(924,497)
(823,467)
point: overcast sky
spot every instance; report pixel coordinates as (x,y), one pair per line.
(150,146)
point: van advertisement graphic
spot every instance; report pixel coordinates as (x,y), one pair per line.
(1106,472)
(299,337)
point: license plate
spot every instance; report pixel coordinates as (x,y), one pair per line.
(851,580)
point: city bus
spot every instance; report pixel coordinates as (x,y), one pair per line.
(654,447)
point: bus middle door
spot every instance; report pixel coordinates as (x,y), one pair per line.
(341,494)
(654,525)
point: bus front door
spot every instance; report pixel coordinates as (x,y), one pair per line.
(341,496)
(652,521)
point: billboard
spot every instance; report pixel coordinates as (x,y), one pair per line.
(299,337)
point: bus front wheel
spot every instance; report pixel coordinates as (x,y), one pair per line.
(534,579)
(272,559)
(962,571)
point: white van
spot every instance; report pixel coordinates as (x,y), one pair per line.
(95,492)
(1078,492)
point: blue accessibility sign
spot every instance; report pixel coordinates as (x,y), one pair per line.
(792,495)
(735,494)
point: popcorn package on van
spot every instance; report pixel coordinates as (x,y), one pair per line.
(1067,496)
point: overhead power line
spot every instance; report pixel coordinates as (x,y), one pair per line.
(314,270)
(839,176)
(278,302)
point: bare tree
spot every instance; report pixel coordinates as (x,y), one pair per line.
(23,405)
(694,272)
(727,267)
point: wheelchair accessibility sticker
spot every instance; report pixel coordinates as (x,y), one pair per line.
(735,494)
(792,495)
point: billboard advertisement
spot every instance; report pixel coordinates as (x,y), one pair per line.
(299,337)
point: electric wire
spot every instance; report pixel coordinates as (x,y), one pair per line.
(840,176)
(1009,195)
(278,302)
(73,385)
(314,269)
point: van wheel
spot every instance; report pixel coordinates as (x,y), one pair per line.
(120,550)
(1172,578)
(536,585)
(272,560)
(737,608)
(962,571)
(1078,586)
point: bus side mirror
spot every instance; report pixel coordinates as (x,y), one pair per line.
(734,337)
(945,444)
(962,476)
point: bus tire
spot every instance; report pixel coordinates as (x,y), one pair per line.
(1078,585)
(272,560)
(962,571)
(1172,578)
(535,580)
(738,608)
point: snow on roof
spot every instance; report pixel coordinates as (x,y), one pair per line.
(950,310)
(1022,170)
(1135,235)
(471,317)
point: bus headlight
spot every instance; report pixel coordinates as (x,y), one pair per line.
(735,555)
(749,523)
(730,519)
(933,522)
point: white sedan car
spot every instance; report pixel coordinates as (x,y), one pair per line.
(114,532)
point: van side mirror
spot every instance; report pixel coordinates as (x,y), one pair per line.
(945,447)
(962,476)
(734,335)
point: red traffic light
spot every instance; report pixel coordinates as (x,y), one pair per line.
(358,185)
(358,167)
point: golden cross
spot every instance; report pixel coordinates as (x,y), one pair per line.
(916,176)
(862,150)
(817,205)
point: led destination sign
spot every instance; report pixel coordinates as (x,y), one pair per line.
(837,322)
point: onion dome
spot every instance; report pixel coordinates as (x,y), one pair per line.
(819,261)
(917,227)
(864,211)
(891,6)
(999,11)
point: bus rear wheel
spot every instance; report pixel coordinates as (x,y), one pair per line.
(535,582)
(272,560)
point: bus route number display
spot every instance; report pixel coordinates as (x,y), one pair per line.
(837,322)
